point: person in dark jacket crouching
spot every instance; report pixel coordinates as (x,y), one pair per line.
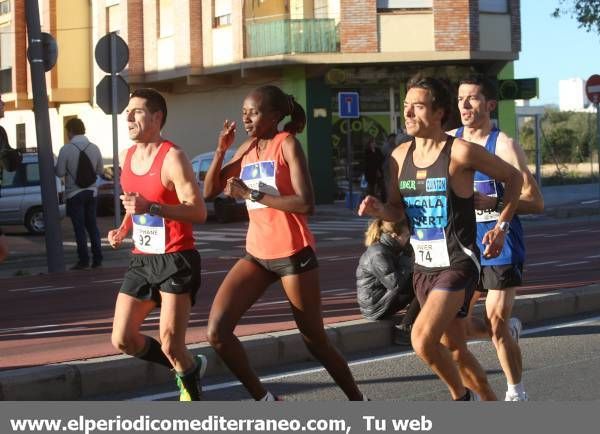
(384,276)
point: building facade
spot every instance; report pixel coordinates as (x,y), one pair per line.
(206,55)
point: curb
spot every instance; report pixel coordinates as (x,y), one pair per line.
(87,378)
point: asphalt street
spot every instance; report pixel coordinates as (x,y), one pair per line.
(561,362)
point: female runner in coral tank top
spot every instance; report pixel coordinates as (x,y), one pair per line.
(269,170)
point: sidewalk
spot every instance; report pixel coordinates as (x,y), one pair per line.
(85,379)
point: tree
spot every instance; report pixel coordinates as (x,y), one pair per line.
(586,12)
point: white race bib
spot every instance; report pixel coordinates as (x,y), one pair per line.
(260,176)
(149,233)
(488,188)
(430,247)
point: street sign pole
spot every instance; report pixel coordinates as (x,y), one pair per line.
(349,108)
(598,141)
(53,233)
(592,90)
(538,150)
(349,163)
(116,174)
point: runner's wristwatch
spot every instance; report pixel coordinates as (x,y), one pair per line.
(256,195)
(154,209)
(504,227)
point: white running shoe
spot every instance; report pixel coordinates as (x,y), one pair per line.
(516,397)
(515,327)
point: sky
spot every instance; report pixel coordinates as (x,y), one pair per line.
(554,49)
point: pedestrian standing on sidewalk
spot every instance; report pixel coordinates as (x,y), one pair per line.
(384,277)
(500,276)
(269,170)
(162,200)
(432,184)
(81,191)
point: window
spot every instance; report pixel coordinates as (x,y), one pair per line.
(495,6)
(404,4)
(166,18)
(10,179)
(203,168)
(321,9)
(4,7)
(222,13)
(21,139)
(32,174)
(113,18)
(6,42)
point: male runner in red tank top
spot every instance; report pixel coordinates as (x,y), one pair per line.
(161,200)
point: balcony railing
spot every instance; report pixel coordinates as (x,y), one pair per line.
(291,36)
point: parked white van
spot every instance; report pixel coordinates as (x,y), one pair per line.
(21,196)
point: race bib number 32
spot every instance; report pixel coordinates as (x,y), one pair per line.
(149,233)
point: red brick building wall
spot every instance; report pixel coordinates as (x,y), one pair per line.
(358,26)
(456,25)
(134,12)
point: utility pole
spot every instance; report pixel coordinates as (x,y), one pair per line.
(35,54)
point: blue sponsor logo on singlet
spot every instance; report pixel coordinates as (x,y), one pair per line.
(435,184)
(148,220)
(429,234)
(258,170)
(427,211)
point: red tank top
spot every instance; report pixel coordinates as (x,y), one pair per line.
(155,234)
(272,233)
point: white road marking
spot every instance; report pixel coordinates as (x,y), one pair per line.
(574,231)
(587,202)
(337,239)
(20,329)
(573,263)
(27,289)
(555,235)
(592,257)
(60,288)
(537,264)
(51,332)
(366,360)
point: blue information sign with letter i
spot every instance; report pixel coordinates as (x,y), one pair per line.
(348,105)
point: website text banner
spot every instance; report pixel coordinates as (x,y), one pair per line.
(297,417)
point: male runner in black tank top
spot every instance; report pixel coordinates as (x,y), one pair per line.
(432,184)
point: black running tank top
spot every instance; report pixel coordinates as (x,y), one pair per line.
(443,228)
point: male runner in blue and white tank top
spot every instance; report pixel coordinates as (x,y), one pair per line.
(432,184)
(500,275)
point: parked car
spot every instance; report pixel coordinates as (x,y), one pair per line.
(224,208)
(21,196)
(106,187)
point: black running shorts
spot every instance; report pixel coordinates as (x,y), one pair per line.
(447,280)
(299,262)
(501,276)
(175,273)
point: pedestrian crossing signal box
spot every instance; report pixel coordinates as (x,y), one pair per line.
(523,88)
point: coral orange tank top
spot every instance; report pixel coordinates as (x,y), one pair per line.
(272,233)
